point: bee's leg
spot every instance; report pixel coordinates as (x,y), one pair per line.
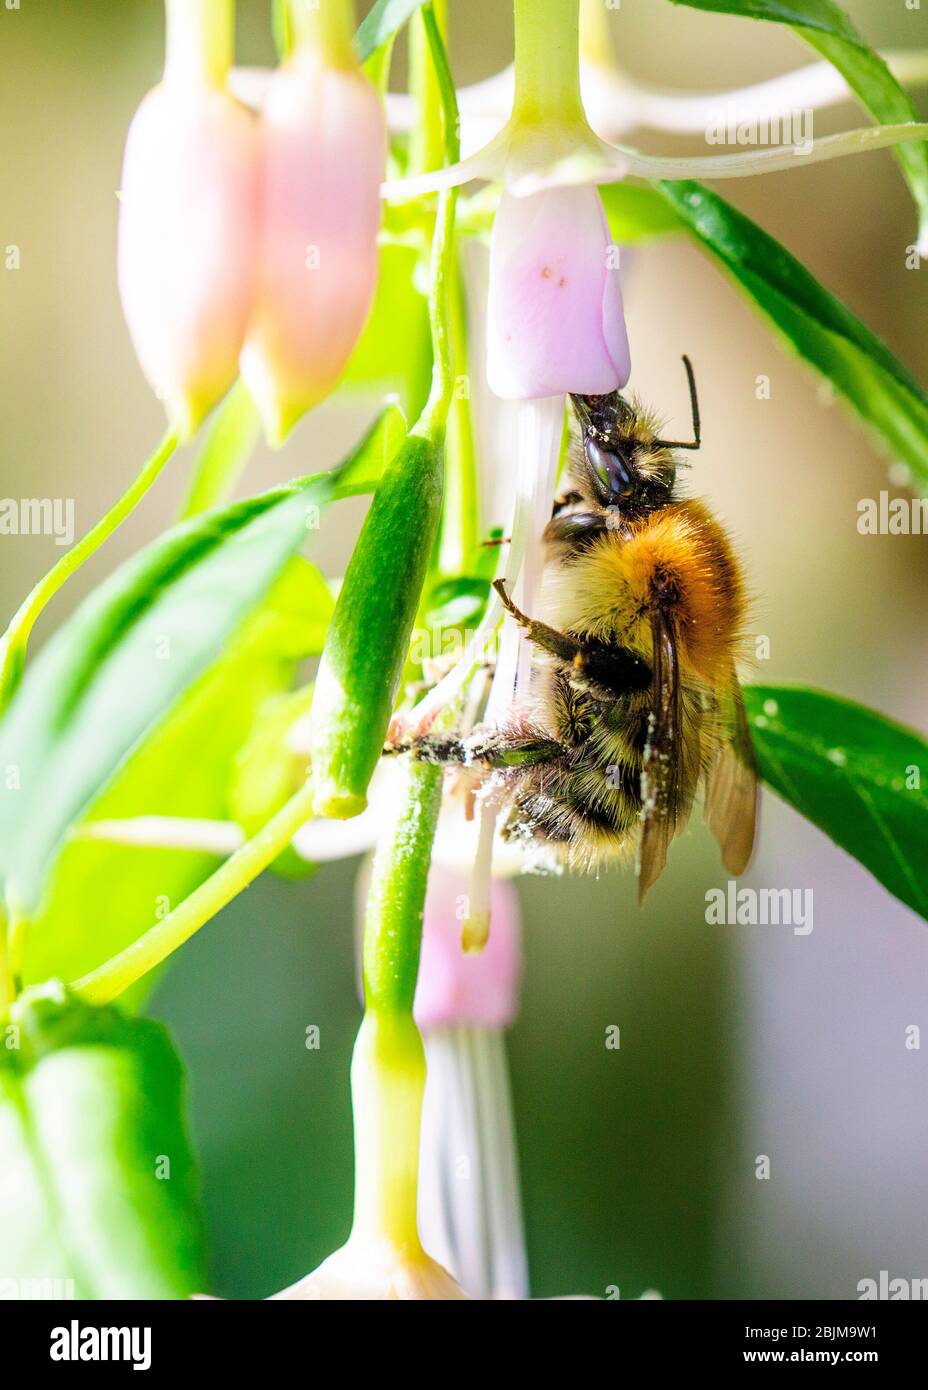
(558,643)
(498,751)
(431,748)
(611,668)
(575,529)
(566,499)
(517,750)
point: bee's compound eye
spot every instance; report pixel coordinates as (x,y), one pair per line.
(610,470)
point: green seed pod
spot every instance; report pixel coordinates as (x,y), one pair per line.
(370,630)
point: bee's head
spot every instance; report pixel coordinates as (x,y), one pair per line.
(623,463)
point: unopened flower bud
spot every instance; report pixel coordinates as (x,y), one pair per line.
(188,221)
(555,321)
(324,145)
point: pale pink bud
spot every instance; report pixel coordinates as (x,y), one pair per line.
(187,239)
(324,146)
(457,987)
(555,321)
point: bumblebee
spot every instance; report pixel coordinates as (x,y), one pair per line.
(634,701)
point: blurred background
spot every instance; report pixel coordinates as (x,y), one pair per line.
(638,1164)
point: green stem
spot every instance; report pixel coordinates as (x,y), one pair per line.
(393,918)
(387,1087)
(15,639)
(431,423)
(388,1066)
(324,27)
(199,40)
(547,60)
(427,138)
(229,444)
(7,983)
(242,868)
(461,519)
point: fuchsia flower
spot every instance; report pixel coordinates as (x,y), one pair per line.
(555,321)
(323,153)
(458,987)
(470,1206)
(188,227)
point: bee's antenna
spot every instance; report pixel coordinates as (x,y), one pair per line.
(694,407)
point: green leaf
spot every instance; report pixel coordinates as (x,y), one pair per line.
(394,353)
(380,25)
(230,442)
(814,323)
(101,895)
(136,646)
(830,32)
(636,211)
(456,603)
(853,773)
(267,771)
(99,1182)
(821,15)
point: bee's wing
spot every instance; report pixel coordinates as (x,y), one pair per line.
(731,791)
(668,784)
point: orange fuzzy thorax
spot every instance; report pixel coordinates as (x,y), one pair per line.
(606,591)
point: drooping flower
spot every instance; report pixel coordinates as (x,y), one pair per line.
(323,154)
(555,321)
(470,1207)
(188,218)
(456,987)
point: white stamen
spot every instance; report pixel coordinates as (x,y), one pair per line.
(540,426)
(509,1263)
(421,715)
(471,1218)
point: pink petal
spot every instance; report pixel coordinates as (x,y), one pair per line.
(324,145)
(455,988)
(555,319)
(187,239)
